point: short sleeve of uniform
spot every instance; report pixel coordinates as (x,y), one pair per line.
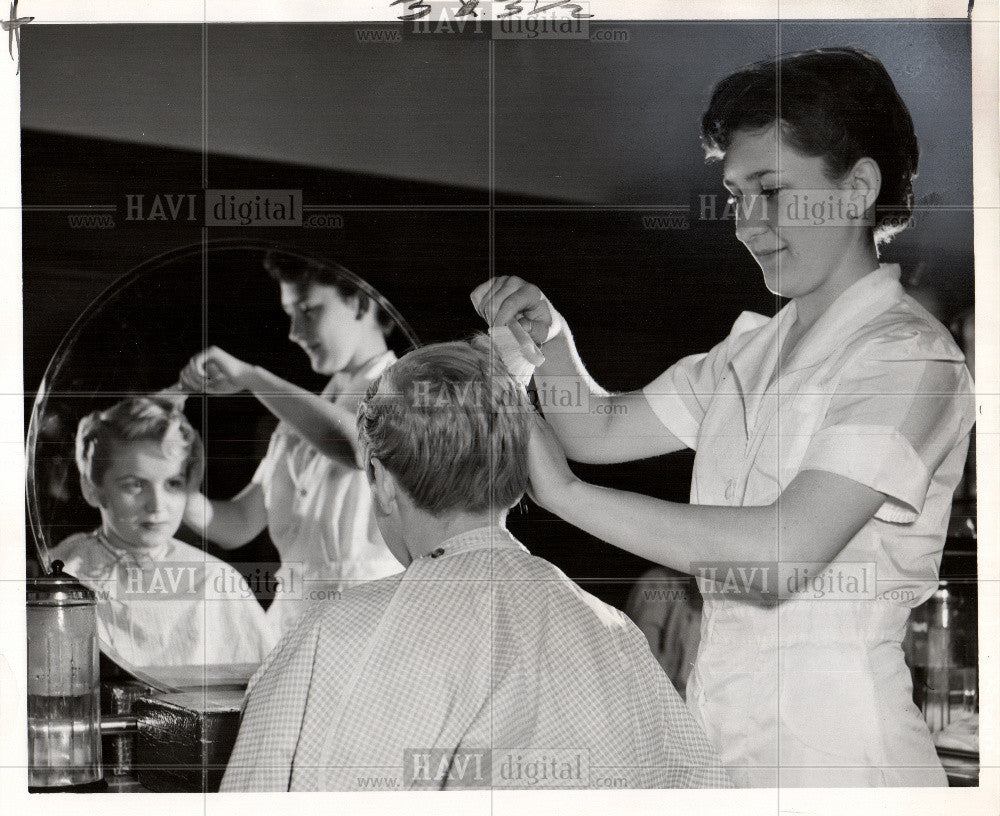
(265,470)
(898,410)
(680,396)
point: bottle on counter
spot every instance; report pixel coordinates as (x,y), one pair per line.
(64,715)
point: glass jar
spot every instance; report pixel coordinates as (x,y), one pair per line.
(64,715)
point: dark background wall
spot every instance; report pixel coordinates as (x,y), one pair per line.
(396,139)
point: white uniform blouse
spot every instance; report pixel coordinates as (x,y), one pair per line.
(319,513)
(814,690)
(173,606)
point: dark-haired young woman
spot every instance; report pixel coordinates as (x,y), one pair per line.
(829,438)
(309,491)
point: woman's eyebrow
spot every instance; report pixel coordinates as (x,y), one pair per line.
(728,183)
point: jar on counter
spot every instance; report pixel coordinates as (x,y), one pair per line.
(942,651)
(64,714)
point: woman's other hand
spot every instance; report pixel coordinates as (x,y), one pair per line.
(215,371)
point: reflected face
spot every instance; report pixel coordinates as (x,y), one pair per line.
(325,326)
(142,494)
(798,224)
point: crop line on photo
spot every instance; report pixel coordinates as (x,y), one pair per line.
(621,410)
(66,207)
(607,207)
(504,207)
(950,207)
(393,207)
(596,207)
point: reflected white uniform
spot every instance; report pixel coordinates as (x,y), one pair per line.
(319,513)
(173,606)
(815,691)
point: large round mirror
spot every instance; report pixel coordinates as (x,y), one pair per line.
(135,338)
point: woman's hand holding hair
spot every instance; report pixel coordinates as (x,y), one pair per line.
(214,371)
(619,427)
(506,298)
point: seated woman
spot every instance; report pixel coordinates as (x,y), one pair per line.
(480,664)
(161,602)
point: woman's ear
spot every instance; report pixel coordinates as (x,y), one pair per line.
(362,304)
(865,180)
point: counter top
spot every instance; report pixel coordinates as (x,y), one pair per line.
(185,738)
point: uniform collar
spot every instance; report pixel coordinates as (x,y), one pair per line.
(142,558)
(754,364)
(860,303)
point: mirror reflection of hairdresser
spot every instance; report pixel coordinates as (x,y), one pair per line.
(309,490)
(830,436)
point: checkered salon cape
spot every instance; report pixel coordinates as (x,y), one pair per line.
(485,652)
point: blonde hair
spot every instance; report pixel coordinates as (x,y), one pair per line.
(452,426)
(137,419)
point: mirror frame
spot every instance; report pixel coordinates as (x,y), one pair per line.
(55,365)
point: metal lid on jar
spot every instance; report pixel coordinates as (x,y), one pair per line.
(59,588)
